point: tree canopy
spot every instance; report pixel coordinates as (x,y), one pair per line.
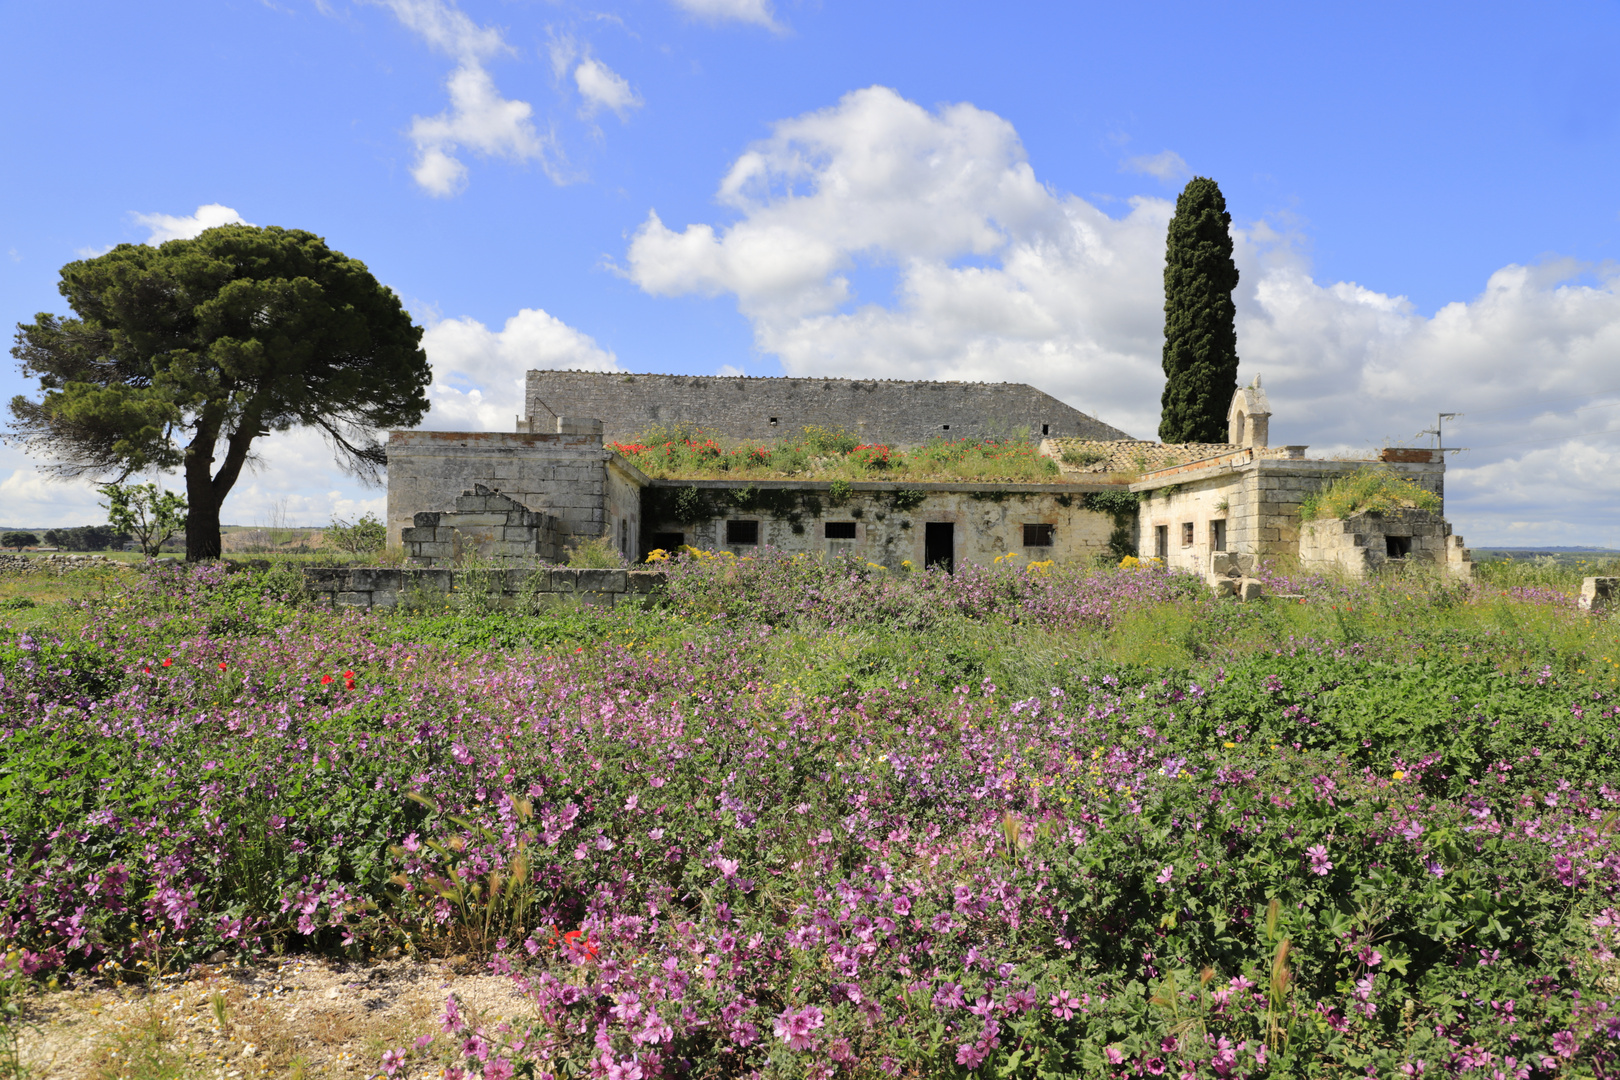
(180,356)
(1200,333)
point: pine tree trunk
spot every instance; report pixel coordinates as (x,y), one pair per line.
(202,523)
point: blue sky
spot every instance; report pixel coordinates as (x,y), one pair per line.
(1425,198)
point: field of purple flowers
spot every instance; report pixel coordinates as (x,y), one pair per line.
(815,821)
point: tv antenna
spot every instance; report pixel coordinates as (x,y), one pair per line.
(1438,431)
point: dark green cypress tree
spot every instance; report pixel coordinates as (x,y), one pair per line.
(1200,335)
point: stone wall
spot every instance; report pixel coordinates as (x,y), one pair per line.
(384,588)
(1372,541)
(564,475)
(879,411)
(889,520)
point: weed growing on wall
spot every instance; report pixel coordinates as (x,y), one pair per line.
(1367,489)
(820,454)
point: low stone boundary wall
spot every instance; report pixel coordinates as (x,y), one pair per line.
(382,588)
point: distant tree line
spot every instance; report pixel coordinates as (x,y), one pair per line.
(87,538)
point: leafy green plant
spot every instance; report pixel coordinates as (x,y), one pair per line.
(146,512)
(360,537)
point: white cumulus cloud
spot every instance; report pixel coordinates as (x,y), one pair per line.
(748,11)
(1000,277)
(163,227)
(604,88)
(478,373)
(480,119)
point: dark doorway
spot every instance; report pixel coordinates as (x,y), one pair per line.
(667,541)
(1397,547)
(939,545)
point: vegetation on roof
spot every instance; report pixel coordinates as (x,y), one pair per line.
(1367,489)
(819,453)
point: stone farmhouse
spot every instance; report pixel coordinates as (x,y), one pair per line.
(1211,508)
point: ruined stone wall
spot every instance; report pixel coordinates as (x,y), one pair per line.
(564,476)
(485,526)
(889,520)
(1360,544)
(878,411)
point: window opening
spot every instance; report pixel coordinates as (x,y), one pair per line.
(742,532)
(840,530)
(1398,547)
(947,427)
(1217,535)
(624,537)
(939,545)
(1046,429)
(1161,541)
(1037,535)
(1186,534)
(773,421)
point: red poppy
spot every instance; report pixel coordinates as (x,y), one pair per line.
(222,665)
(168,663)
(349,675)
(571,941)
(147,669)
(325,679)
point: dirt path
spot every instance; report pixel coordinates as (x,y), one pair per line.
(297,1018)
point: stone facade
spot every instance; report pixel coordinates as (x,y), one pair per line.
(875,410)
(884,523)
(1372,541)
(566,475)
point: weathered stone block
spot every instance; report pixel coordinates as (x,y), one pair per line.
(563,580)
(354,599)
(1225,586)
(602,581)
(1251,590)
(372,578)
(425,521)
(1599,594)
(435,551)
(417,535)
(646,581)
(324,578)
(471,504)
(473,521)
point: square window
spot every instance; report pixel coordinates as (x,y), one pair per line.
(1038,535)
(1186,534)
(947,427)
(1397,547)
(1046,429)
(1217,535)
(742,532)
(773,421)
(840,530)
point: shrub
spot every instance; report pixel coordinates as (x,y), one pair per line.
(597,553)
(1366,489)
